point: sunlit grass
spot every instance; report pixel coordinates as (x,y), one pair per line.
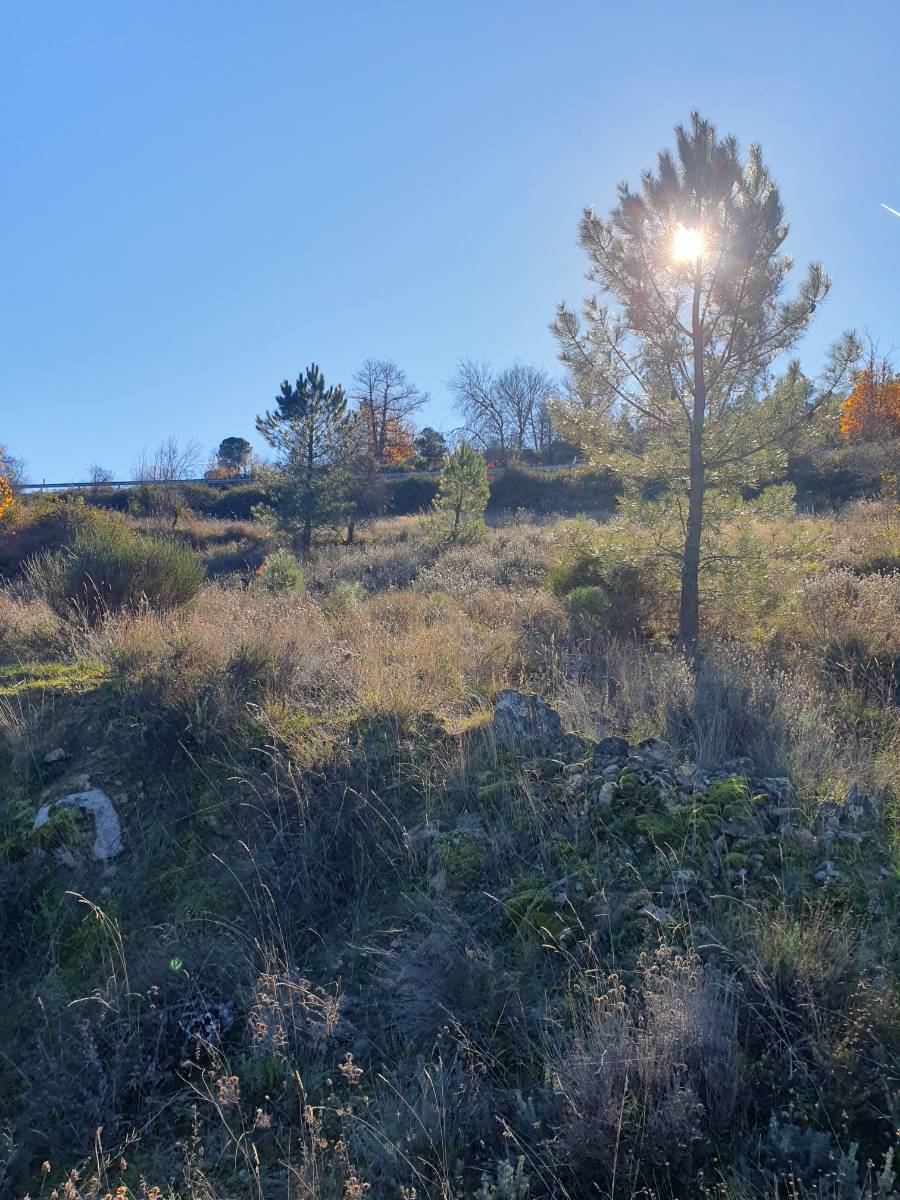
(79,676)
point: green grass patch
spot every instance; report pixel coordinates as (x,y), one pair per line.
(83,675)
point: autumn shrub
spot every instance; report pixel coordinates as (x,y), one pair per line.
(6,496)
(108,567)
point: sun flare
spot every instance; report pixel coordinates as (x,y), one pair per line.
(687,244)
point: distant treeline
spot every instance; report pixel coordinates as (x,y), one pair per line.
(578,489)
(824,478)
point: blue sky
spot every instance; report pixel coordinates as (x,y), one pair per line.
(199,198)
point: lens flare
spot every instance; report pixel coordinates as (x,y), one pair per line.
(687,244)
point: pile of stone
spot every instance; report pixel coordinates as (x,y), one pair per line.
(743,837)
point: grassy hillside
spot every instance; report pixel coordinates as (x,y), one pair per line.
(358,942)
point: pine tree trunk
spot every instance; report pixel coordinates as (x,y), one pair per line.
(306,542)
(689,612)
(351,529)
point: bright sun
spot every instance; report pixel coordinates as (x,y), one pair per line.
(687,244)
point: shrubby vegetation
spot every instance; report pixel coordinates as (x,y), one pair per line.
(354,944)
(107,567)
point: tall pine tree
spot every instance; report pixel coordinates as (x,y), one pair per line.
(694,272)
(308,430)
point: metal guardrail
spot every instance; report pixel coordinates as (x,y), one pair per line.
(237,480)
(230,481)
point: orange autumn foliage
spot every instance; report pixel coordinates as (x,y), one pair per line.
(398,444)
(872,410)
(6,492)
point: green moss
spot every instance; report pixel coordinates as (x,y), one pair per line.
(723,800)
(462,857)
(533,912)
(666,828)
(80,676)
(489,793)
(736,861)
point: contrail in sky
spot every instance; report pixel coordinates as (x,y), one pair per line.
(891,210)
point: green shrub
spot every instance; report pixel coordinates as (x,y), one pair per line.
(281,573)
(108,567)
(412,495)
(583,489)
(826,478)
(237,503)
(608,575)
(587,605)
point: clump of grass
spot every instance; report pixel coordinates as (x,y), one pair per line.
(107,568)
(650,1076)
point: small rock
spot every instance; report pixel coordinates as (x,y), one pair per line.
(422,833)
(470,823)
(611,747)
(611,773)
(778,787)
(655,749)
(655,913)
(55,756)
(859,808)
(851,836)
(805,838)
(606,795)
(525,722)
(107,828)
(737,766)
(827,873)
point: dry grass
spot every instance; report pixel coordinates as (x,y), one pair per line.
(651,1076)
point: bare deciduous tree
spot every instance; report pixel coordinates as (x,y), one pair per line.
(525,393)
(169,462)
(509,410)
(386,400)
(161,470)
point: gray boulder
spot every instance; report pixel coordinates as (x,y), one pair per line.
(525,722)
(107,828)
(859,808)
(654,749)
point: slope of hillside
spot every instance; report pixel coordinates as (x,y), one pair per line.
(382,922)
